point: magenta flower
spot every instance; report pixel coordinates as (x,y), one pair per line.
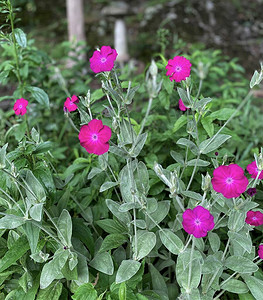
(253,170)
(260,251)
(69,104)
(178,68)
(182,107)
(20,106)
(251,191)
(95,136)
(198,221)
(229,181)
(103,60)
(254,218)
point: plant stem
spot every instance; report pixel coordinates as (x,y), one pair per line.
(146,116)
(191,263)
(226,248)
(193,173)
(199,88)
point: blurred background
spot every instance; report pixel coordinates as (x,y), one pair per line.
(234,26)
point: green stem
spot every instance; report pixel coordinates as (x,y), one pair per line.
(199,88)
(226,248)
(193,173)
(146,116)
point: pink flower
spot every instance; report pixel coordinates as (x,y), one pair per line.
(198,221)
(103,60)
(178,68)
(69,104)
(253,170)
(229,181)
(94,137)
(182,107)
(260,251)
(20,106)
(254,218)
(252,192)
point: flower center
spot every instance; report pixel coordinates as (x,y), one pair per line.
(178,69)
(229,180)
(20,106)
(94,137)
(197,222)
(103,59)
(254,218)
(71,103)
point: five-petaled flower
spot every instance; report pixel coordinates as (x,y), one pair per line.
(198,221)
(254,218)
(260,251)
(20,106)
(95,136)
(103,60)
(70,104)
(178,68)
(229,181)
(253,170)
(182,107)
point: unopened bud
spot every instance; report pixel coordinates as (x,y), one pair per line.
(206,180)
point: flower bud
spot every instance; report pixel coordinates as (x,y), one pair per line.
(206,180)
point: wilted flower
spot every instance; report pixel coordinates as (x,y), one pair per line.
(229,181)
(178,68)
(182,107)
(251,191)
(95,136)
(198,221)
(20,106)
(103,60)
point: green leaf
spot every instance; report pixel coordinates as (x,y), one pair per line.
(113,206)
(85,292)
(107,185)
(235,286)
(127,269)
(171,241)
(11,222)
(160,213)
(36,211)
(208,126)
(236,220)
(20,37)
(200,163)
(145,243)
(168,85)
(222,114)
(214,241)
(111,226)
(255,286)
(178,157)
(65,227)
(180,123)
(201,104)
(244,241)
(18,249)
(183,95)
(103,263)
(52,269)
(247,296)
(36,191)
(139,144)
(187,143)
(32,233)
(240,264)
(158,282)
(39,95)
(51,292)
(112,241)
(213,143)
(122,291)
(141,177)
(3,156)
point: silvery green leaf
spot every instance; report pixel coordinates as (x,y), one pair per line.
(199,163)
(235,286)
(39,95)
(157,216)
(256,78)
(193,195)
(11,222)
(112,241)
(32,233)
(35,135)
(213,143)
(36,192)
(211,264)
(118,151)
(214,241)
(127,269)
(127,133)
(94,171)
(83,270)
(103,161)
(65,227)
(52,269)
(53,292)
(20,37)
(255,286)
(107,185)
(139,144)
(152,205)
(3,156)
(240,264)
(201,104)
(145,243)
(103,263)
(40,257)
(36,211)
(171,241)
(139,223)
(236,220)
(244,240)
(158,281)
(187,143)
(178,157)
(128,206)
(85,292)
(130,94)
(113,206)
(183,95)
(141,177)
